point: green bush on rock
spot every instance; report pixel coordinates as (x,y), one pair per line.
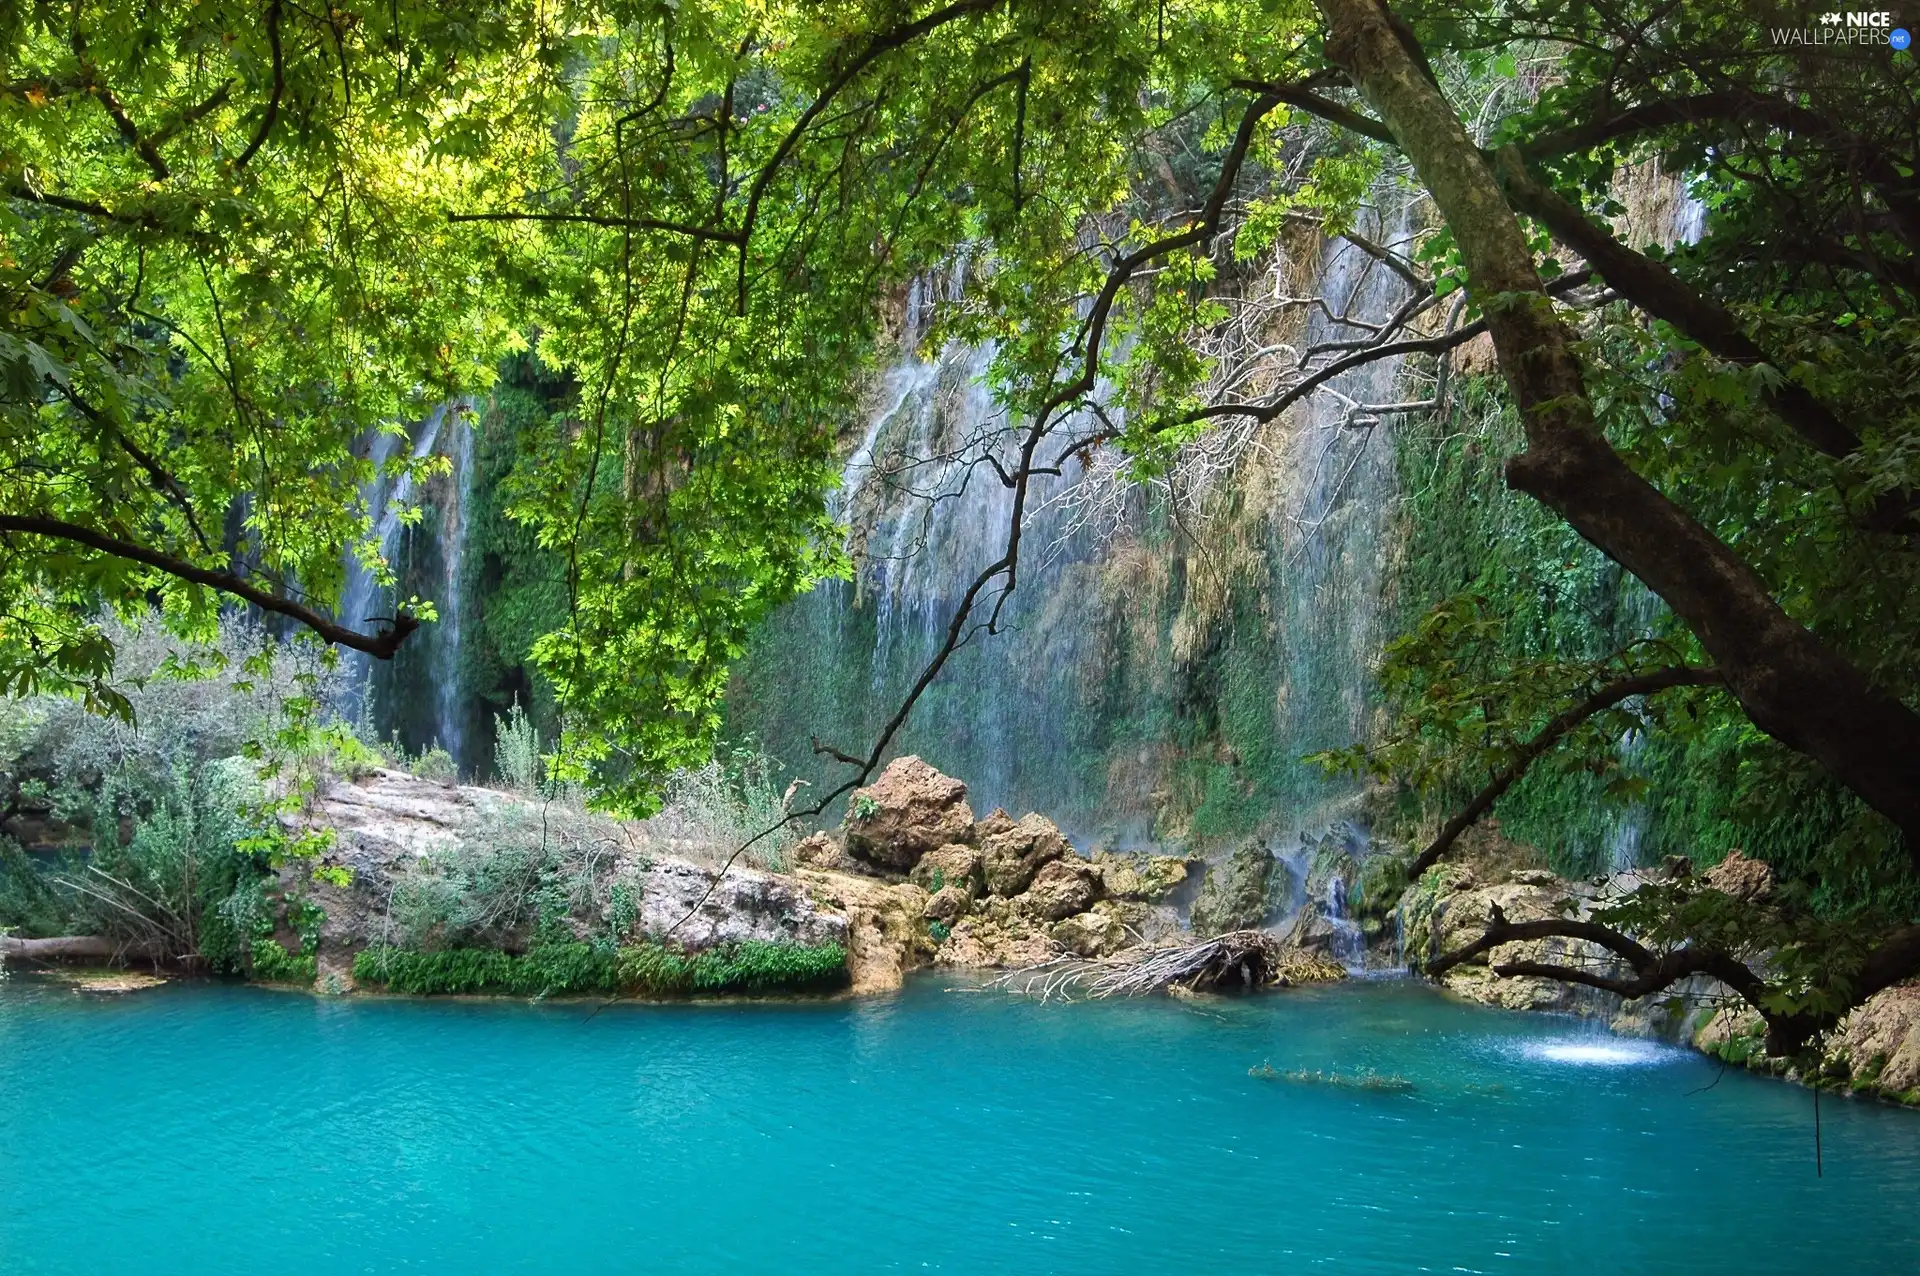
(562,968)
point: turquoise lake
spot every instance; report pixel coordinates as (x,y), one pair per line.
(205,1129)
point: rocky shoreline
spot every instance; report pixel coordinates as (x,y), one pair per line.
(916,881)
(1874,1052)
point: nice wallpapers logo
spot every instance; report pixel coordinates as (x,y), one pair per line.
(1836,28)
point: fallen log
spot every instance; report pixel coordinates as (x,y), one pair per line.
(74,948)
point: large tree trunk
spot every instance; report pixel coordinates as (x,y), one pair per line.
(1792,684)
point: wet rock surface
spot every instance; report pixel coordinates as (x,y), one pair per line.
(1238,893)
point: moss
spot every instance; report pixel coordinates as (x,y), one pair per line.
(564,968)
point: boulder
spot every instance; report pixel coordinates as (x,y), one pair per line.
(947,904)
(1145,878)
(886,933)
(1238,893)
(1312,933)
(1747,880)
(1880,1042)
(1062,888)
(910,810)
(740,904)
(950,865)
(821,851)
(1094,933)
(987,942)
(1012,853)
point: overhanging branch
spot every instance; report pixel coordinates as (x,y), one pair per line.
(381,645)
(1601,700)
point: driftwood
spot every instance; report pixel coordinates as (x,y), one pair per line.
(1238,959)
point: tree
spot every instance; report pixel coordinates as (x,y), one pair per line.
(692,210)
(226,263)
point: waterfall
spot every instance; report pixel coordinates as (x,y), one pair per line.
(363,600)
(1111,699)
(450,716)
(1641,609)
(418,694)
(1328,548)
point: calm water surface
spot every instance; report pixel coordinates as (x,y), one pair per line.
(228,1129)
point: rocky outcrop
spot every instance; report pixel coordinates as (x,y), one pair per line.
(1061,889)
(1748,880)
(1448,908)
(953,866)
(1878,1045)
(820,851)
(1098,932)
(1013,852)
(1873,1051)
(909,810)
(702,909)
(1147,879)
(1238,893)
(885,925)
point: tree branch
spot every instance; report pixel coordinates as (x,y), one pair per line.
(1791,683)
(721,235)
(381,645)
(1551,734)
(279,86)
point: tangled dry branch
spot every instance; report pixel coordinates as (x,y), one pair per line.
(1238,959)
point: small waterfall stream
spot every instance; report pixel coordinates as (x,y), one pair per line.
(418,695)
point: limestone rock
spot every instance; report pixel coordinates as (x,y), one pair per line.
(985,943)
(1448,909)
(1880,1041)
(1012,853)
(950,865)
(741,904)
(1146,878)
(821,851)
(947,904)
(1312,933)
(1095,933)
(1062,888)
(1748,880)
(909,810)
(1238,893)
(886,927)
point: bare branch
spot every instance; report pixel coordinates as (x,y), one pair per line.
(1603,699)
(381,645)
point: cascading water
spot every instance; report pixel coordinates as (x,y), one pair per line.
(1103,702)
(363,600)
(450,721)
(1641,609)
(417,695)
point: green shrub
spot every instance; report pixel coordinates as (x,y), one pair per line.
(559,968)
(272,964)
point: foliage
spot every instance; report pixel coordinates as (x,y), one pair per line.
(560,968)
(728,802)
(228,260)
(162,831)
(515,867)
(516,753)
